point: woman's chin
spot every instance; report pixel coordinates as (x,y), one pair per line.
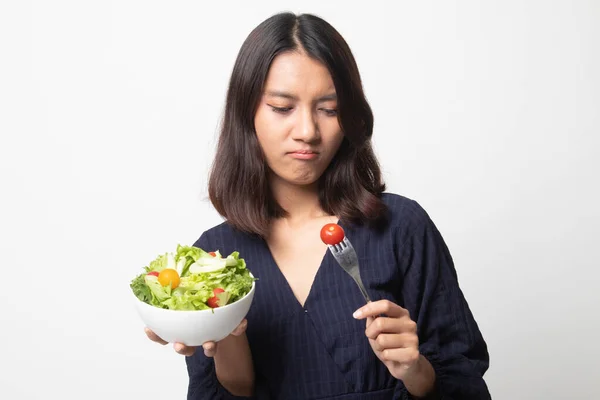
(304,181)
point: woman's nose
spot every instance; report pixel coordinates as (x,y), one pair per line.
(306,128)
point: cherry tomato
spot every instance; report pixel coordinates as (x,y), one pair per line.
(153,273)
(332,234)
(212,253)
(213,302)
(169,276)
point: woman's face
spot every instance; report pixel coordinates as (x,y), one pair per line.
(296,121)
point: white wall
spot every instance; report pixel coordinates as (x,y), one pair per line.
(486,113)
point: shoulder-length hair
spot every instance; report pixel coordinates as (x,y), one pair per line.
(350,187)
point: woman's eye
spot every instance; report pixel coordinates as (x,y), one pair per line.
(330,112)
(281,110)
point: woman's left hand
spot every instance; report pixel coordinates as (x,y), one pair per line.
(393,336)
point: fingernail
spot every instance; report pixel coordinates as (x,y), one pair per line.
(178,347)
(208,347)
(357,314)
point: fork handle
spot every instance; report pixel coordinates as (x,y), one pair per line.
(364,292)
(360,285)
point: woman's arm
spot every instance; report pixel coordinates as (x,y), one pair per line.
(233,365)
(449,337)
(228,375)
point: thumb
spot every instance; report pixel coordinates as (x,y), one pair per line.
(210,349)
(241,328)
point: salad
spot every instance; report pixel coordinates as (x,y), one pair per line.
(193,279)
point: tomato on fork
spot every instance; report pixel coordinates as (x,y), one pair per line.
(332,234)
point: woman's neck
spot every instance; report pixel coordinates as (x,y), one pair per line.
(300,202)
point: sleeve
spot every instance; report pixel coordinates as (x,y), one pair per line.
(448,334)
(203,382)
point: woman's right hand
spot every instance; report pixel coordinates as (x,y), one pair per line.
(210,348)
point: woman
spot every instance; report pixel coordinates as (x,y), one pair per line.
(294,154)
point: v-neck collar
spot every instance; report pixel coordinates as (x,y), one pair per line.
(285,284)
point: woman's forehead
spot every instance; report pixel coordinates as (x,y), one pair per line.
(298,74)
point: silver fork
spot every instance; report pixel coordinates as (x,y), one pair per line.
(346,256)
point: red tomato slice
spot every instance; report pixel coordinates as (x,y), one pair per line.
(332,234)
(213,302)
(212,253)
(153,273)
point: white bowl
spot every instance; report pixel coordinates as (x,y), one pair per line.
(193,328)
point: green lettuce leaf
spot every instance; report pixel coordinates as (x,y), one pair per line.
(140,289)
(200,273)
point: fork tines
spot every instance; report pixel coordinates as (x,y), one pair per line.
(339,247)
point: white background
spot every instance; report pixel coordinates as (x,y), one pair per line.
(487,113)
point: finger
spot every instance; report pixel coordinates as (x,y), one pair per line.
(380,307)
(241,328)
(183,349)
(370,321)
(395,341)
(210,349)
(403,356)
(390,325)
(153,336)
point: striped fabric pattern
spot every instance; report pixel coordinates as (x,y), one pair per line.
(318,351)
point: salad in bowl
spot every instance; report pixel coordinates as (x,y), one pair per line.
(192,296)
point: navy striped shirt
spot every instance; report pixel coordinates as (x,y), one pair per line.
(319,351)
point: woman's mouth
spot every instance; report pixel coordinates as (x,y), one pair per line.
(303,154)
